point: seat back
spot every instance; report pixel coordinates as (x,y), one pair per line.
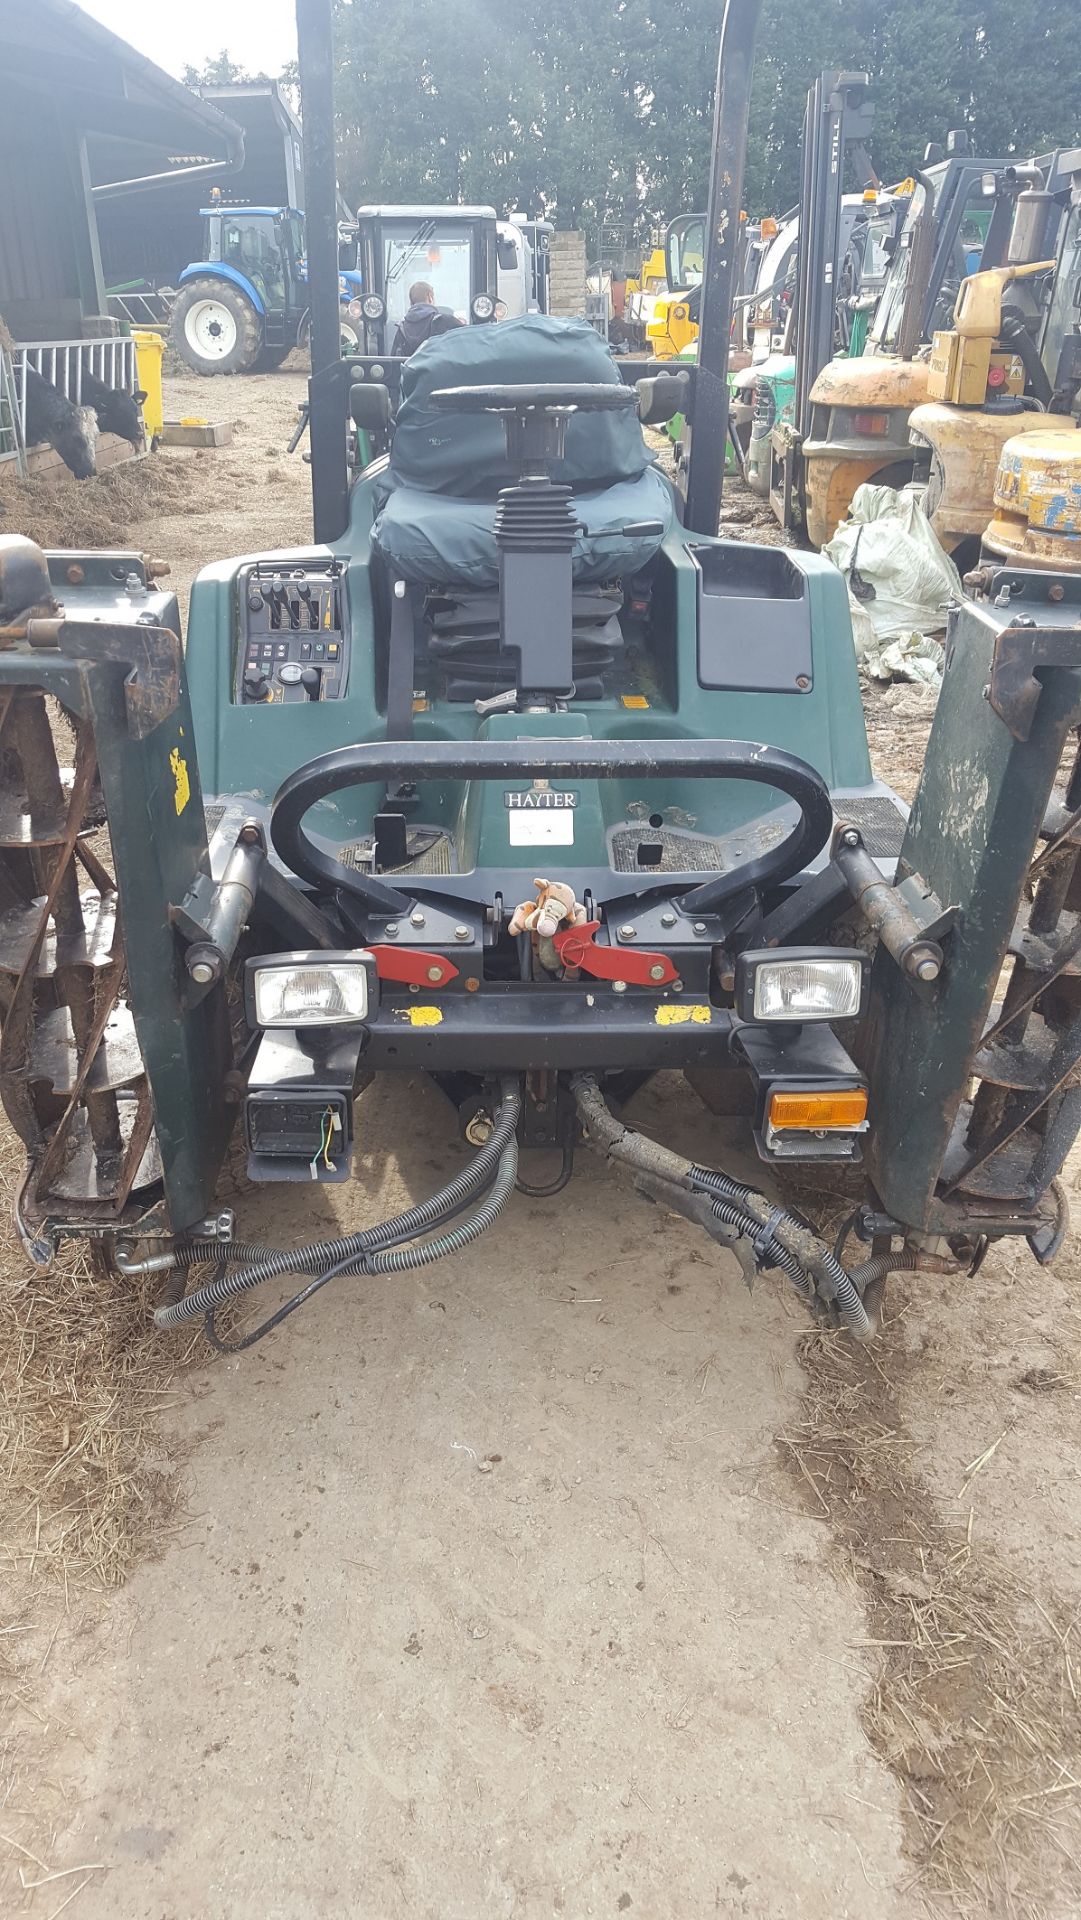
(464,454)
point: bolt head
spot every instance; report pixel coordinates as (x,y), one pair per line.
(202,973)
(462,933)
(416,919)
(700,926)
(850,838)
(668,919)
(391,929)
(927,970)
(619,986)
(657,972)
(627,933)
(435,974)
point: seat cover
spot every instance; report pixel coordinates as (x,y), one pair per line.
(434,539)
(447,468)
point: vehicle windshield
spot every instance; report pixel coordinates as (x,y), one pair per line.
(1064,311)
(685,250)
(876,254)
(253,247)
(426,250)
(292,226)
(965,257)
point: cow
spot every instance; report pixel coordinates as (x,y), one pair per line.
(117,411)
(72,430)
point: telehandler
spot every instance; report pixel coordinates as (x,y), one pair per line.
(514,774)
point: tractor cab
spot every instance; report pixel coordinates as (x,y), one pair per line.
(264,246)
(452,249)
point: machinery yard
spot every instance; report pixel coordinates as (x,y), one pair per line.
(539,1584)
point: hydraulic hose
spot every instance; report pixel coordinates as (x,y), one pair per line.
(801,1242)
(780,1238)
(366,1246)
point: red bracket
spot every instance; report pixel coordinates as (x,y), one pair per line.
(413,966)
(576,947)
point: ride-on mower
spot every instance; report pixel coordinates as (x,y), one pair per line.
(518,776)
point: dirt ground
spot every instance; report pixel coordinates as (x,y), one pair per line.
(571,1579)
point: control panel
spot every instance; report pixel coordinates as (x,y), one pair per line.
(293,642)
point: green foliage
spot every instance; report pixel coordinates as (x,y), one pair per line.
(587,105)
(219,71)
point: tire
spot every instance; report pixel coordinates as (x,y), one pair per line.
(215,327)
(897,474)
(348,335)
(272,357)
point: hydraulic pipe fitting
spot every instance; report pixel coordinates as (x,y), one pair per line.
(884,910)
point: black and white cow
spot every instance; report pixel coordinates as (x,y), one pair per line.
(117,412)
(52,418)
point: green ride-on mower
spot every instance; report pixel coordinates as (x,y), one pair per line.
(515,775)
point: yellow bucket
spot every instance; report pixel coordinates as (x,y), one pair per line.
(149,351)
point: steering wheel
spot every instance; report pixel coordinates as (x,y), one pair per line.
(594,397)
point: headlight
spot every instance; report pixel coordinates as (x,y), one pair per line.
(817,984)
(483,306)
(374,308)
(355,309)
(306,990)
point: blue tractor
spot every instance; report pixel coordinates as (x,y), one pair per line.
(245,305)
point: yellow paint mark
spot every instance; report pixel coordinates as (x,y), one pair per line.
(420,704)
(180,775)
(420,1016)
(672,1016)
(326,616)
(636,700)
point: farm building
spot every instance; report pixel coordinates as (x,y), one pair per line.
(84,114)
(153,234)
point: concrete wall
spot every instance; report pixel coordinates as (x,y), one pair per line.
(568,278)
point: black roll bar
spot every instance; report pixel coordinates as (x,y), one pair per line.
(382,762)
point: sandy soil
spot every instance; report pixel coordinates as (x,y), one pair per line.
(571,1579)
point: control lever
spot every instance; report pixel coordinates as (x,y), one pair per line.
(294,675)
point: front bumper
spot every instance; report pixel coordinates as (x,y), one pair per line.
(530,1027)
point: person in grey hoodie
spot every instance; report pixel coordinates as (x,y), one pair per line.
(423,320)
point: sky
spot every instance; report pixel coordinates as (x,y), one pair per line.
(260,35)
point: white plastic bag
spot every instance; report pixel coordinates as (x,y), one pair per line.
(900,583)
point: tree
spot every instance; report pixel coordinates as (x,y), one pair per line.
(606,106)
(220,71)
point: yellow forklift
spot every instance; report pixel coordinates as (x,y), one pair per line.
(959,222)
(1011,359)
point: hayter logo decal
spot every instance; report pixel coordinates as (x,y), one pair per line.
(539,800)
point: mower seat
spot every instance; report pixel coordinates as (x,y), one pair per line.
(435,540)
(437,524)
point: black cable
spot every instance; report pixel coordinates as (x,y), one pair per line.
(357,1261)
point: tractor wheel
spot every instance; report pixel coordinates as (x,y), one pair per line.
(272,357)
(215,327)
(348,334)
